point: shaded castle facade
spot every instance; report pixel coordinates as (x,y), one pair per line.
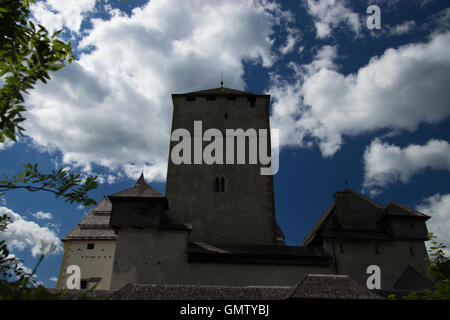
(216,225)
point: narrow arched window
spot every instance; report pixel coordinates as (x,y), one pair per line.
(217,185)
(222,184)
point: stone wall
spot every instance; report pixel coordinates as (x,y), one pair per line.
(160,258)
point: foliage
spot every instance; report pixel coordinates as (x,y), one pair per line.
(61,183)
(27,54)
(438,263)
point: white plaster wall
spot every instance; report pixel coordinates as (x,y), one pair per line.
(95,263)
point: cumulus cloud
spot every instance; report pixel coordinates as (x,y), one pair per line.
(438,207)
(21,234)
(113,106)
(292,39)
(58,14)
(400,29)
(398,90)
(40,215)
(330,14)
(385,163)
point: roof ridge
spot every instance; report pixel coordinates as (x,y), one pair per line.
(219,90)
(362,197)
(401,206)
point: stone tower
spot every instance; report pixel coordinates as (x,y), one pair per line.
(224,203)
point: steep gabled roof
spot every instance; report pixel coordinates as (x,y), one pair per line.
(319,225)
(353,216)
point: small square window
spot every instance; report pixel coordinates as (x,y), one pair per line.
(83,284)
(90,246)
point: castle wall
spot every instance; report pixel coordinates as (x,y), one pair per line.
(393,257)
(160,258)
(93,263)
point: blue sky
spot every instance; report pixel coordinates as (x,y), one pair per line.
(370,107)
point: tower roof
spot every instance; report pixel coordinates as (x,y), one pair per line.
(141,180)
(140,189)
(220,91)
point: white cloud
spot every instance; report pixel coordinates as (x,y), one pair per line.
(40,215)
(397,91)
(385,163)
(57,14)
(438,207)
(21,234)
(292,39)
(5,145)
(395,3)
(54,279)
(330,14)
(113,106)
(400,29)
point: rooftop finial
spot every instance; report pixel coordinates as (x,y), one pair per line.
(221,80)
(141,179)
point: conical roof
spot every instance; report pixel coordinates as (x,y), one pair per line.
(140,189)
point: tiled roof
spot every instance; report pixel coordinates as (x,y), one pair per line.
(353,216)
(139,190)
(396,209)
(95,225)
(312,287)
(315,286)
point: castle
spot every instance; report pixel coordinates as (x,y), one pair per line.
(216,224)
